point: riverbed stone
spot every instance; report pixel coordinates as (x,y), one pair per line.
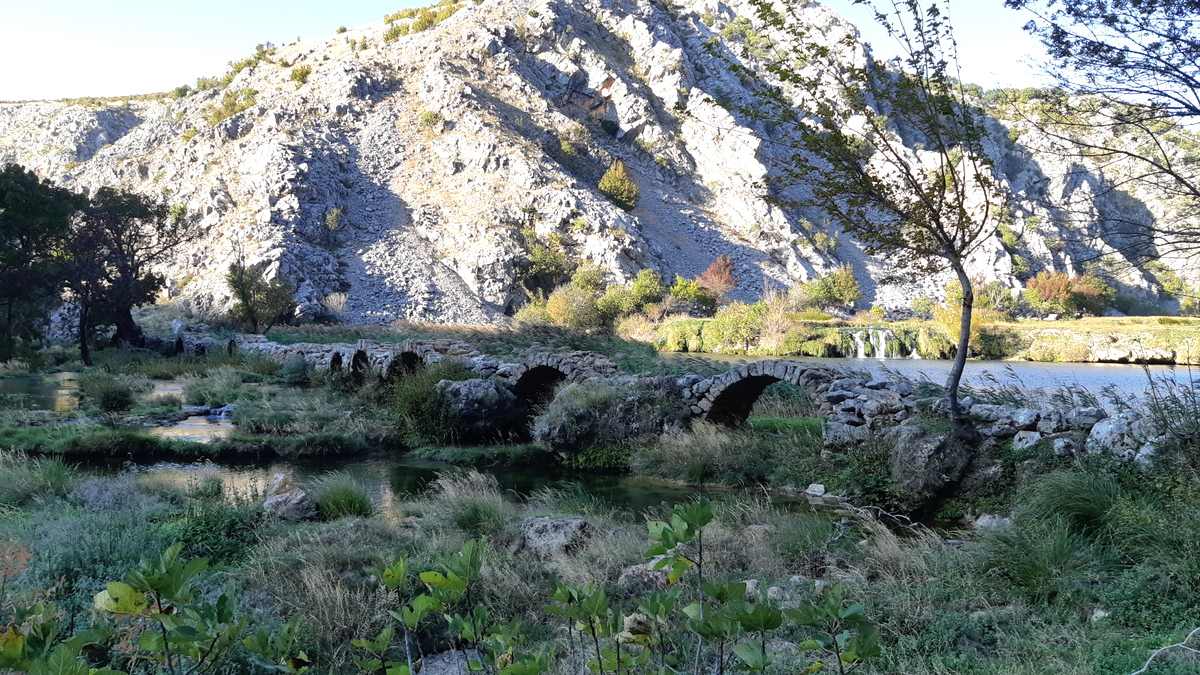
(286,500)
(549,537)
(1023,440)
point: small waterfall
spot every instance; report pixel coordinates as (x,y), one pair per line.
(860,345)
(879,340)
(915,355)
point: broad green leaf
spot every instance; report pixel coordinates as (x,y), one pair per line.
(120,598)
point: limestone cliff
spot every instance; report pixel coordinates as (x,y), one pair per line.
(399,166)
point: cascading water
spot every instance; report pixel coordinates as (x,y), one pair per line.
(879,339)
(860,345)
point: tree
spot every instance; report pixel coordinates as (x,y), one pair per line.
(618,185)
(133,235)
(718,279)
(926,210)
(35,221)
(87,277)
(259,303)
(1130,70)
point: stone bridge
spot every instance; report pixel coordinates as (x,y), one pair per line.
(534,377)
(724,399)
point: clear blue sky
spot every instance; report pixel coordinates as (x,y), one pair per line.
(61,48)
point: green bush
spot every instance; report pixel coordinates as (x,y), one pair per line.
(108,393)
(1047,560)
(471,502)
(233,101)
(690,291)
(836,289)
(589,278)
(220,531)
(217,388)
(1083,500)
(1056,292)
(295,371)
(300,74)
(573,307)
(419,408)
(616,302)
(618,185)
(734,328)
(339,495)
(547,261)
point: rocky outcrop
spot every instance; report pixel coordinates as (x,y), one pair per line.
(404,179)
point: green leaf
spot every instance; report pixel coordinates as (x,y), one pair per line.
(120,598)
(12,647)
(751,655)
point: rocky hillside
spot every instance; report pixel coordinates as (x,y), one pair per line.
(395,170)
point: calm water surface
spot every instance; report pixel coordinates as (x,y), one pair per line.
(392,481)
(1095,377)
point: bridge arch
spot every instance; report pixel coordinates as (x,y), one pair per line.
(404,363)
(536,386)
(728,398)
(360,365)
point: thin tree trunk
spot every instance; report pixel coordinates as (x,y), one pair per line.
(8,346)
(964,341)
(85,352)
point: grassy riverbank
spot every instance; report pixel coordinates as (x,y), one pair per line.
(1091,340)
(1094,555)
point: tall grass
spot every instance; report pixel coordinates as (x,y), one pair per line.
(471,502)
(340,495)
(24,479)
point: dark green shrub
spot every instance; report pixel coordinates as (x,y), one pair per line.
(106,392)
(1047,560)
(220,531)
(295,371)
(686,290)
(419,408)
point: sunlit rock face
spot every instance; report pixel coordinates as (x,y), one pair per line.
(399,175)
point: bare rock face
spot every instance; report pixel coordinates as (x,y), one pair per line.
(548,537)
(924,463)
(287,501)
(405,179)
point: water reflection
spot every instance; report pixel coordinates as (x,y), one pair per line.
(58,392)
(392,481)
(197,429)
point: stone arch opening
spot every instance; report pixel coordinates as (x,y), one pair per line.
(335,363)
(405,363)
(731,407)
(536,386)
(360,364)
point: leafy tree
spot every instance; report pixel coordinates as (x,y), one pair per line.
(35,221)
(839,288)
(926,212)
(132,235)
(259,303)
(86,276)
(618,185)
(718,278)
(1132,72)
